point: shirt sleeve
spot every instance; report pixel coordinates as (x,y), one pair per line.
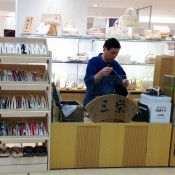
(90,73)
(120,89)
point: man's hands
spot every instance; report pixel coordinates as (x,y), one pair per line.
(125,83)
(104,72)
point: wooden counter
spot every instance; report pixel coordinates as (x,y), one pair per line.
(79,94)
(172,149)
(73,95)
(87,145)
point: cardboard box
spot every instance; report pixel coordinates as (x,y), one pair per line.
(159,107)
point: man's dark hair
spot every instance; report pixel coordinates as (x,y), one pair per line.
(112,43)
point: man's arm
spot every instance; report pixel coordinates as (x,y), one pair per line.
(104,72)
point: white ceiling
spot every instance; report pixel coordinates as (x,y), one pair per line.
(159,8)
(113,3)
(121,3)
(7,1)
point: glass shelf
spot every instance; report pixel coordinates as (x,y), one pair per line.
(99,38)
(137,64)
(62,36)
(85,62)
(71,62)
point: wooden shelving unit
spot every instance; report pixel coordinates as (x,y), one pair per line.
(26,62)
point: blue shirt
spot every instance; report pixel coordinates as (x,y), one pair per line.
(110,84)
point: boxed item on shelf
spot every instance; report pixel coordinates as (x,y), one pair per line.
(159,107)
(71,111)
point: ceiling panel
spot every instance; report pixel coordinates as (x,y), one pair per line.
(7,1)
(120,3)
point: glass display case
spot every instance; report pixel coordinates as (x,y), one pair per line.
(137,57)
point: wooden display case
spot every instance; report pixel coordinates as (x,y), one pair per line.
(73,95)
(90,145)
(78,95)
(164,65)
(25,86)
(172,149)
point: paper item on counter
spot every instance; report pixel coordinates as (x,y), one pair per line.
(68,109)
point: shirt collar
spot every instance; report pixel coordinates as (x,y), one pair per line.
(106,64)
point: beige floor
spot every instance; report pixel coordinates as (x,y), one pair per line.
(109,171)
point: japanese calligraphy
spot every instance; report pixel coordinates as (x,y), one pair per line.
(120,104)
(105,106)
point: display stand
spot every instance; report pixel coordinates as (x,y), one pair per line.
(25,88)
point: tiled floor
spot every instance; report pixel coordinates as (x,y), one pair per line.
(108,171)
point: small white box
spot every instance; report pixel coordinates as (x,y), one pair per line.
(159,108)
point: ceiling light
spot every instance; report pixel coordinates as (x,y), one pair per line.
(95,5)
(155,19)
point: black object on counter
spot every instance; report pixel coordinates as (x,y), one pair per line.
(143,113)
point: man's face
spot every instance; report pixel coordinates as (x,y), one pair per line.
(110,55)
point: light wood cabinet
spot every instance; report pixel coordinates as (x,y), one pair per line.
(73,96)
(158,144)
(172,149)
(109,145)
(78,95)
(135,97)
(63,144)
(164,65)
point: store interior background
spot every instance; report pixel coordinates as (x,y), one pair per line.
(13,13)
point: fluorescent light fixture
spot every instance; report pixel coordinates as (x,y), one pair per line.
(7,13)
(155,19)
(95,5)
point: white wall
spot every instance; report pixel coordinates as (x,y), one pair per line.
(7,23)
(161,12)
(163,8)
(160,8)
(107,12)
(70,10)
(7,16)
(7,6)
